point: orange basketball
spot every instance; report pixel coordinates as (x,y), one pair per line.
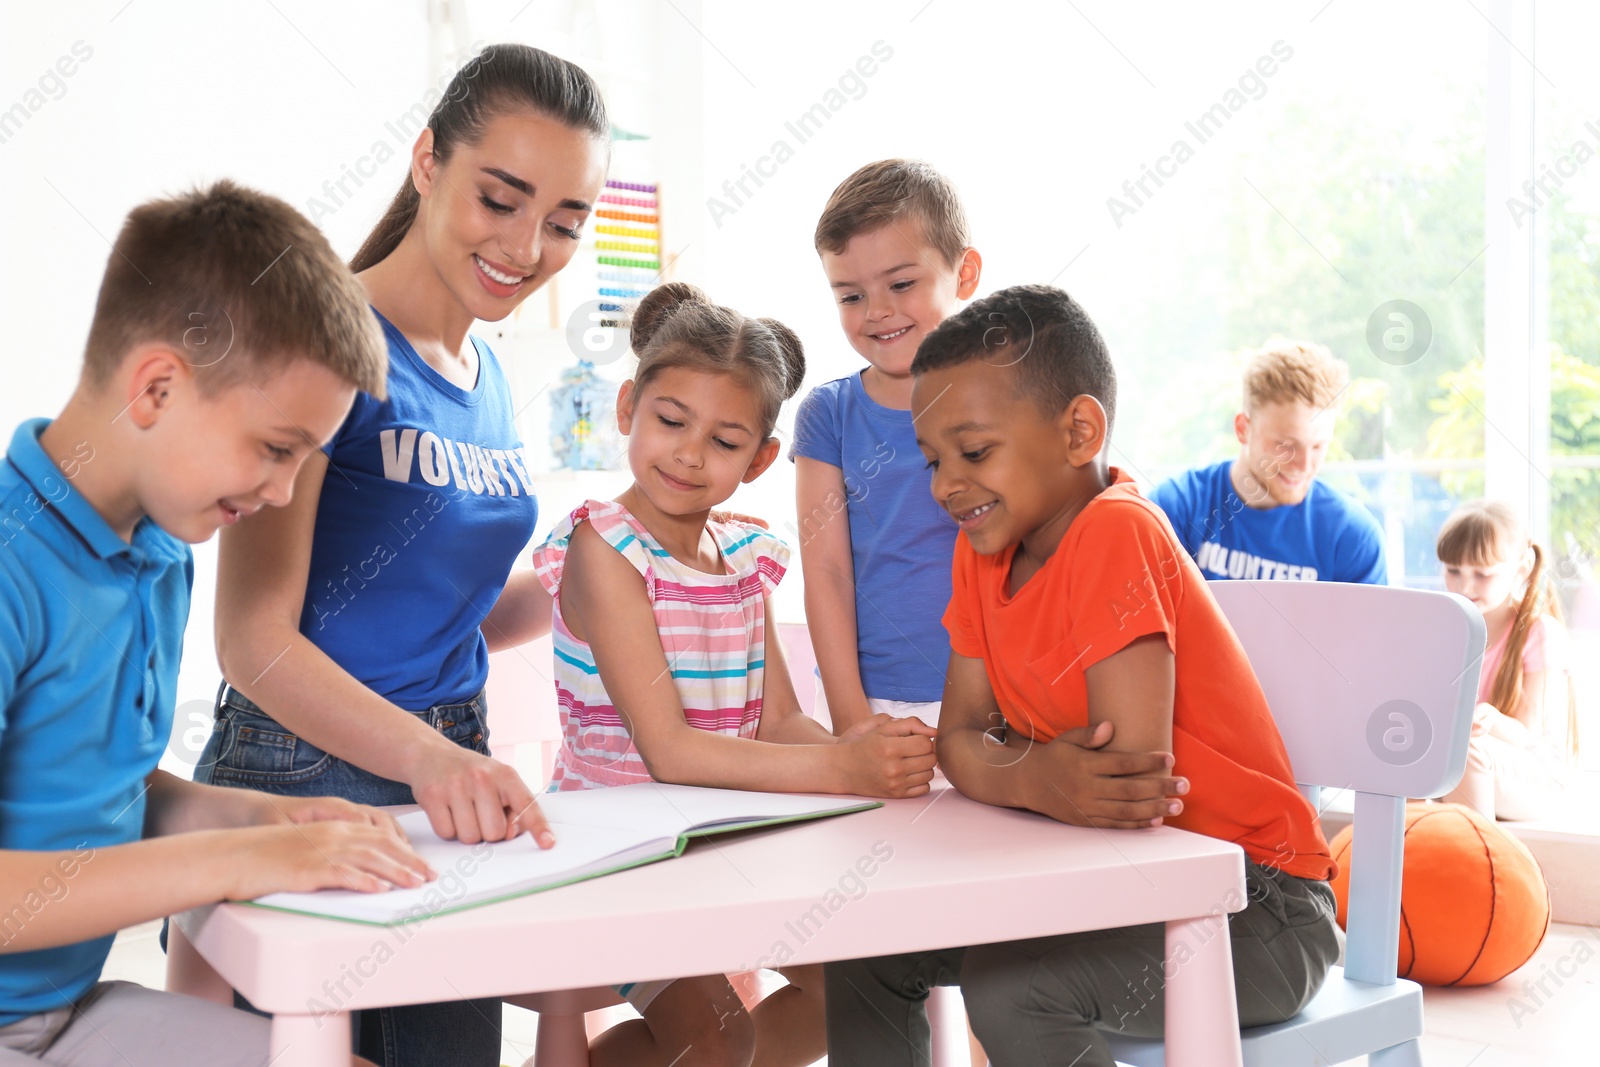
(1473,905)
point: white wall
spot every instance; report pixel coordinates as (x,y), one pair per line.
(162,96)
(1038,111)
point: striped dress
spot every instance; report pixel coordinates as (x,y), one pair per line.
(712,627)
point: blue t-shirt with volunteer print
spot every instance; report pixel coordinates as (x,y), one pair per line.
(901,541)
(1327,537)
(425,507)
(91,630)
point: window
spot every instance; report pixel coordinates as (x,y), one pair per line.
(1344,175)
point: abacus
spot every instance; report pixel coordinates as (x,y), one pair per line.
(629,249)
(628,261)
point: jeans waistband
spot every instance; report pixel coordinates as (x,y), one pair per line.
(434,716)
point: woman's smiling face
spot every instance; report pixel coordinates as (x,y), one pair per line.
(504,215)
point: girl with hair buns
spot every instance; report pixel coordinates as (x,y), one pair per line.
(664,667)
(1524,733)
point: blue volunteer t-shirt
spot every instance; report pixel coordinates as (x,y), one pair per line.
(425,507)
(901,541)
(1327,537)
(91,628)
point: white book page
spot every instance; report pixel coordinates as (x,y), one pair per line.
(670,810)
(596,830)
(468,874)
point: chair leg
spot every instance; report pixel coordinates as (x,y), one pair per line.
(561,1041)
(1405,1054)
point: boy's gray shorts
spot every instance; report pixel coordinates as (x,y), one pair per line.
(120,1024)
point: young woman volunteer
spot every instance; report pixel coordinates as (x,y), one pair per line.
(354,625)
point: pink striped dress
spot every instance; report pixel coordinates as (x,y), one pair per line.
(712,627)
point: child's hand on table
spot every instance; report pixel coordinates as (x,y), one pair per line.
(888,757)
(1081,783)
(332,853)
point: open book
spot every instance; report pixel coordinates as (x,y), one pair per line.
(598,831)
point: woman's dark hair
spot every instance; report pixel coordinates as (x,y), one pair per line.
(501,78)
(677,325)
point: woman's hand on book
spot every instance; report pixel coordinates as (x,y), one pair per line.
(365,857)
(888,757)
(471,798)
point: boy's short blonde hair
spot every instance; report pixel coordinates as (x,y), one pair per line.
(241,284)
(1289,372)
(887,191)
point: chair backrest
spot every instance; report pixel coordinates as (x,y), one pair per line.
(1373,689)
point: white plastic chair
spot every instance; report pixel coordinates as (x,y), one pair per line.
(1373,690)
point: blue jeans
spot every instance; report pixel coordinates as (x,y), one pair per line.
(249,750)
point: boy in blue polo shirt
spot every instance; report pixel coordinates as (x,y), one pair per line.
(228,342)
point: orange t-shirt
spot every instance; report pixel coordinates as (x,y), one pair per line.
(1120,574)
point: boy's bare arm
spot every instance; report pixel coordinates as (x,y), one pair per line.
(979,756)
(175,805)
(62,898)
(829,568)
(1076,778)
(1132,689)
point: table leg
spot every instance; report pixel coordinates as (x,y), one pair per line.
(311,1040)
(1202,1009)
(947,1020)
(189,973)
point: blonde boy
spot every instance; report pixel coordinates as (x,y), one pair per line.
(874,546)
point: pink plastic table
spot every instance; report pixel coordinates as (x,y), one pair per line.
(912,875)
